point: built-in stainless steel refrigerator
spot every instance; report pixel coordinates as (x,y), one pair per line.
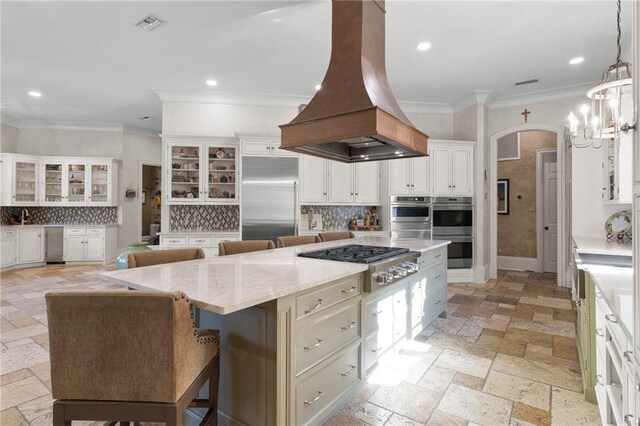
(269,191)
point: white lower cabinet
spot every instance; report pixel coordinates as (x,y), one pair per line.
(8,248)
(208,242)
(89,243)
(30,245)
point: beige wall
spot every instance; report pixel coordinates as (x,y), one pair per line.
(77,143)
(8,139)
(517,230)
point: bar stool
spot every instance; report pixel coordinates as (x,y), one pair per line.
(227,248)
(158,257)
(332,236)
(129,356)
(297,240)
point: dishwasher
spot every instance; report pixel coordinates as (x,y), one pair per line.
(54,244)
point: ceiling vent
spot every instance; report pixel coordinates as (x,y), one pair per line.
(149,22)
(525,82)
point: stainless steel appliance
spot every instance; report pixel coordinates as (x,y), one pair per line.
(452,216)
(54,244)
(269,191)
(453,220)
(410,217)
(386,264)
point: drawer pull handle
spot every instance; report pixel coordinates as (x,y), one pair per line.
(351,290)
(438,302)
(375,314)
(315,307)
(438,276)
(347,327)
(348,373)
(598,295)
(314,400)
(599,332)
(627,356)
(599,380)
(376,350)
(611,318)
(315,345)
(438,256)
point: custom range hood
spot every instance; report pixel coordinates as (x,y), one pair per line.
(354,116)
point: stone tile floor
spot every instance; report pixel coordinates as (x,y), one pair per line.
(506,355)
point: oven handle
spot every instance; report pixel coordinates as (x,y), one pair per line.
(453,239)
(464,207)
(409,205)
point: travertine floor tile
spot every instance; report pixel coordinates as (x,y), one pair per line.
(570,408)
(476,406)
(464,363)
(14,359)
(440,418)
(501,345)
(538,371)
(437,379)
(558,328)
(12,417)
(372,414)
(518,389)
(398,420)
(531,414)
(19,392)
(529,337)
(411,401)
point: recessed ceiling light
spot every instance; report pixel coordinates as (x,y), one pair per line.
(318,87)
(146,118)
(149,22)
(277,20)
(35,94)
(212,83)
(425,45)
(576,61)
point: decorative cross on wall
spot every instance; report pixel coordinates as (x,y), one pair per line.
(526,113)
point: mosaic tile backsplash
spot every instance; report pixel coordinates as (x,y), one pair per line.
(64,215)
(204,218)
(337,217)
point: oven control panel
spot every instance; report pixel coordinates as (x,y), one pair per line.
(394,273)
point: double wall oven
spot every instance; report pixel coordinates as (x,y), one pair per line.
(410,217)
(452,219)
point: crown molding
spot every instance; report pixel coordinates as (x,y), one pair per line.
(229,98)
(67,125)
(476,97)
(425,107)
(141,131)
(543,96)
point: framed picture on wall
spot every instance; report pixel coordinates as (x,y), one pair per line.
(503,196)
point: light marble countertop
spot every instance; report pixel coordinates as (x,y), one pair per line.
(230,283)
(616,286)
(592,245)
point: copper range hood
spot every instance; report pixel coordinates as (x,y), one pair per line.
(354,116)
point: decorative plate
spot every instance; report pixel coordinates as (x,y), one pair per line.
(618,223)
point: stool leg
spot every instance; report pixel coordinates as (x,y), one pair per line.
(58,415)
(213,391)
(173,417)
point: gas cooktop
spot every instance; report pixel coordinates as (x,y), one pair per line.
(356,253)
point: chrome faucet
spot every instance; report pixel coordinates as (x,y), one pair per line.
(25,213)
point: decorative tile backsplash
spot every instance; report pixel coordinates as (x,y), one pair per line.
(64,215)
(337,217)
(204,218)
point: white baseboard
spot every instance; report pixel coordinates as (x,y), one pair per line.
(481,273)
(459,275)
(517,263)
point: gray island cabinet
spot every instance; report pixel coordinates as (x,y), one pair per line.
(299,336)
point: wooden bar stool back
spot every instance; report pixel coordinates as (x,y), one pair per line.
(333,236)
(297,240)
(227,248)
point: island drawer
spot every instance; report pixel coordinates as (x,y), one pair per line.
(435,302)
(433,256)
(95,231)
(324,337)
(326,386)
(200,241)
(378,313)
(375,345)
(173,241)
(436,276)
(319,300)
(9,234)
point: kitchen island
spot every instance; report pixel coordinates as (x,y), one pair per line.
(299,335)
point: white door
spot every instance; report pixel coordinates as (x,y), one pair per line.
(550,211)
(312,179)
(340,182)
(30,246)
(94,247)
(257,148)
(441,166)
(8,251)
(420,176)
(461,172)
(74,247)
(399,177)
(367,182)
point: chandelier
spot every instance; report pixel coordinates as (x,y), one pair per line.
(603,120)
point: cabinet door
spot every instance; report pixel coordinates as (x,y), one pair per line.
(367,182)
(74,247)
(76,183)
(99,184)
(8,252)
(184,173)
(221,174)
(340,182)
(277,152)
(256,148)
(636,280)
(25,182)
(399,177)
(461,172)
(312,179)
(30,246)
(94,247)
(441,170)
(52,178)
(420,176)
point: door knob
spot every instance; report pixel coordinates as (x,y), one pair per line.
(546,228)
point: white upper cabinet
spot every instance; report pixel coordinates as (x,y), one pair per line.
(313,172)
(254,145)
(441,157)
(462,171)
(419,174)
(452,169)
(59,181)
(332,182)
(399,177)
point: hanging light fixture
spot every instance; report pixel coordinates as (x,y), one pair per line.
(603,121)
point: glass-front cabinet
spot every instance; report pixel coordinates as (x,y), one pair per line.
(99,183)
(76,183)
(202,172)
(52,188)
(25,182)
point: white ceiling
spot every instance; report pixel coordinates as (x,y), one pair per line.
(92,64)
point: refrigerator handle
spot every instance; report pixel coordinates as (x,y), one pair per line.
(295,208)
